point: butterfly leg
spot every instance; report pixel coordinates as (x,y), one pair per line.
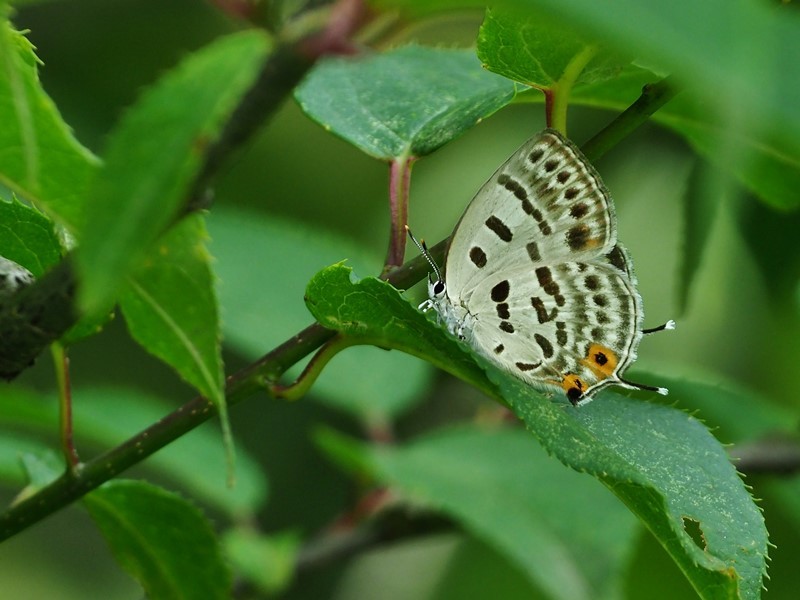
(668,325)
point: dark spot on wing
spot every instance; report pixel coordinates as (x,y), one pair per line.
(499,228)
(561,333)
(502,310)
(533,251)
(592,282)
(527,366)
(578,236)
(578,210)
(500,291)
(544,344)
(478,257)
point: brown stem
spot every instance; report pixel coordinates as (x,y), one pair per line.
(399,182)
(61,358)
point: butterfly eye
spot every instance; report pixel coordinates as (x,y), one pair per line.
(438,288)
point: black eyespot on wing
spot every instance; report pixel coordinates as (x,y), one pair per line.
(501,290)
(574,395)
(477,256)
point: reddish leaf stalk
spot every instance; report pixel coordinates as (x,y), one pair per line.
(399,184)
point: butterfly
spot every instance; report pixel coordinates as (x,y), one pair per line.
(536,280)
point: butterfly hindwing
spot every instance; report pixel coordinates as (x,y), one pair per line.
(578,319)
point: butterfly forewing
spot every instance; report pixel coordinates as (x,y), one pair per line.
(544,204)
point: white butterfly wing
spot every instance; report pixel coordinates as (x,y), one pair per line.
(572,326)
(545,204)
(535,263)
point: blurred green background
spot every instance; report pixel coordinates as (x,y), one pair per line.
(98,54)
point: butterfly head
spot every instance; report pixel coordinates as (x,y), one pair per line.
(437,289)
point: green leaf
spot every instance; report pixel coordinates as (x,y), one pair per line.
(666,467)
(268,562)
(699,210)
(27,237)
(771,236)
(170,306)
(539,52)
(13,447)
(408,101)
(160,539)
(373,312)
(733,412)
(106,417)
(40,159)
(669,470)
(153,158)
(719,61)
(766,162)
(252,251)
(741,107)
(505,489)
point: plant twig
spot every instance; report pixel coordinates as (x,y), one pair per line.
(36,316)
(258,376)
(61,365)
(770,456)
(654,96)
(399,182)
(561,90)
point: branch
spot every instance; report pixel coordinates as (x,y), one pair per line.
(261,375)
(770,456)
(654,96)
(40,314)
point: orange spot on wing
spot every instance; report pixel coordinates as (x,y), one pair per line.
(573,386)
(601,360)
